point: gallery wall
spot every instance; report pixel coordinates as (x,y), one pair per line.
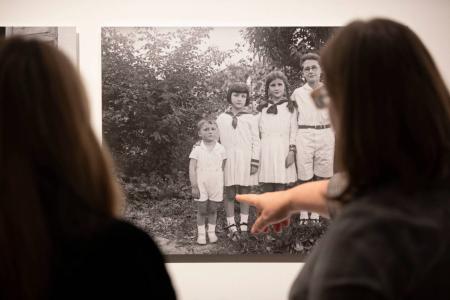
(65,38)
(429,19)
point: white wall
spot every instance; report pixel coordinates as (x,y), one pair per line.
(429,19)
(68,43)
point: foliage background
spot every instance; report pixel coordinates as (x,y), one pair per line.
(157,84)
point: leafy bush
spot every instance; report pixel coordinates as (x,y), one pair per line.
(156,87)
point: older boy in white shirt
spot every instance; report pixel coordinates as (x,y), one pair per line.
(315,137)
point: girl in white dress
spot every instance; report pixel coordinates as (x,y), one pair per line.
(239,135)
(278,128)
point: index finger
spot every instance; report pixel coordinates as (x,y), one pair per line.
(251,199)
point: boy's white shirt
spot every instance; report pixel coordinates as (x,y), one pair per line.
(308,113)
(202,154)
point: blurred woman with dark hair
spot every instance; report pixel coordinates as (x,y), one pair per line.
(60,235)
(390,110)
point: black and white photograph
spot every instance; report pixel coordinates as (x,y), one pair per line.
(64,38)
(194,116)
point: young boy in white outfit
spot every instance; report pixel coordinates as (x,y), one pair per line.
(206,165)
(239,135)
(315,137)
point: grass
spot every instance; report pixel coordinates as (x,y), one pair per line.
(171,221)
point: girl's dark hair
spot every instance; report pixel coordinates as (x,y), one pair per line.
(280,75)
(56,180)
(238,87)
(392,107)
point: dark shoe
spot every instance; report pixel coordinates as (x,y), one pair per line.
(244,233)
(232,234)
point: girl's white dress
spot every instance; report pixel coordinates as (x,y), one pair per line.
(242,145)
(278,131)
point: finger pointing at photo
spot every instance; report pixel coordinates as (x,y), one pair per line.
(274,208)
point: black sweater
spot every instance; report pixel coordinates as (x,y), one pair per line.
(119,261)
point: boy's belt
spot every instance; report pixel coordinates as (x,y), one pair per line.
(314,126)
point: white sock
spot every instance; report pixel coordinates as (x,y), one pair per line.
(230,221)
(212,233)
(244,219)
(314,216)
(201,229)
(211,227)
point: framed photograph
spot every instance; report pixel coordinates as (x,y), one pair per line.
(158,83)
(64,38)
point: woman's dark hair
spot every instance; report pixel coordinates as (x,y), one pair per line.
(238,87)
(278,75)
(56,180)
(392,107)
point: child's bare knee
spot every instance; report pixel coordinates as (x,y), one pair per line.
(212,207)
(202,208)
(230,193)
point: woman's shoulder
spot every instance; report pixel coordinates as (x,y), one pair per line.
(371,244)
(121,228)
(389,216)
(119,260)
(390,202)
(121,233)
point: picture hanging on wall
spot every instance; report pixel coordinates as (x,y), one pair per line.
(64,38)
(195,115)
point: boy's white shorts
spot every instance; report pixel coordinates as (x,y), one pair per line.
(315,153)
(210,185)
